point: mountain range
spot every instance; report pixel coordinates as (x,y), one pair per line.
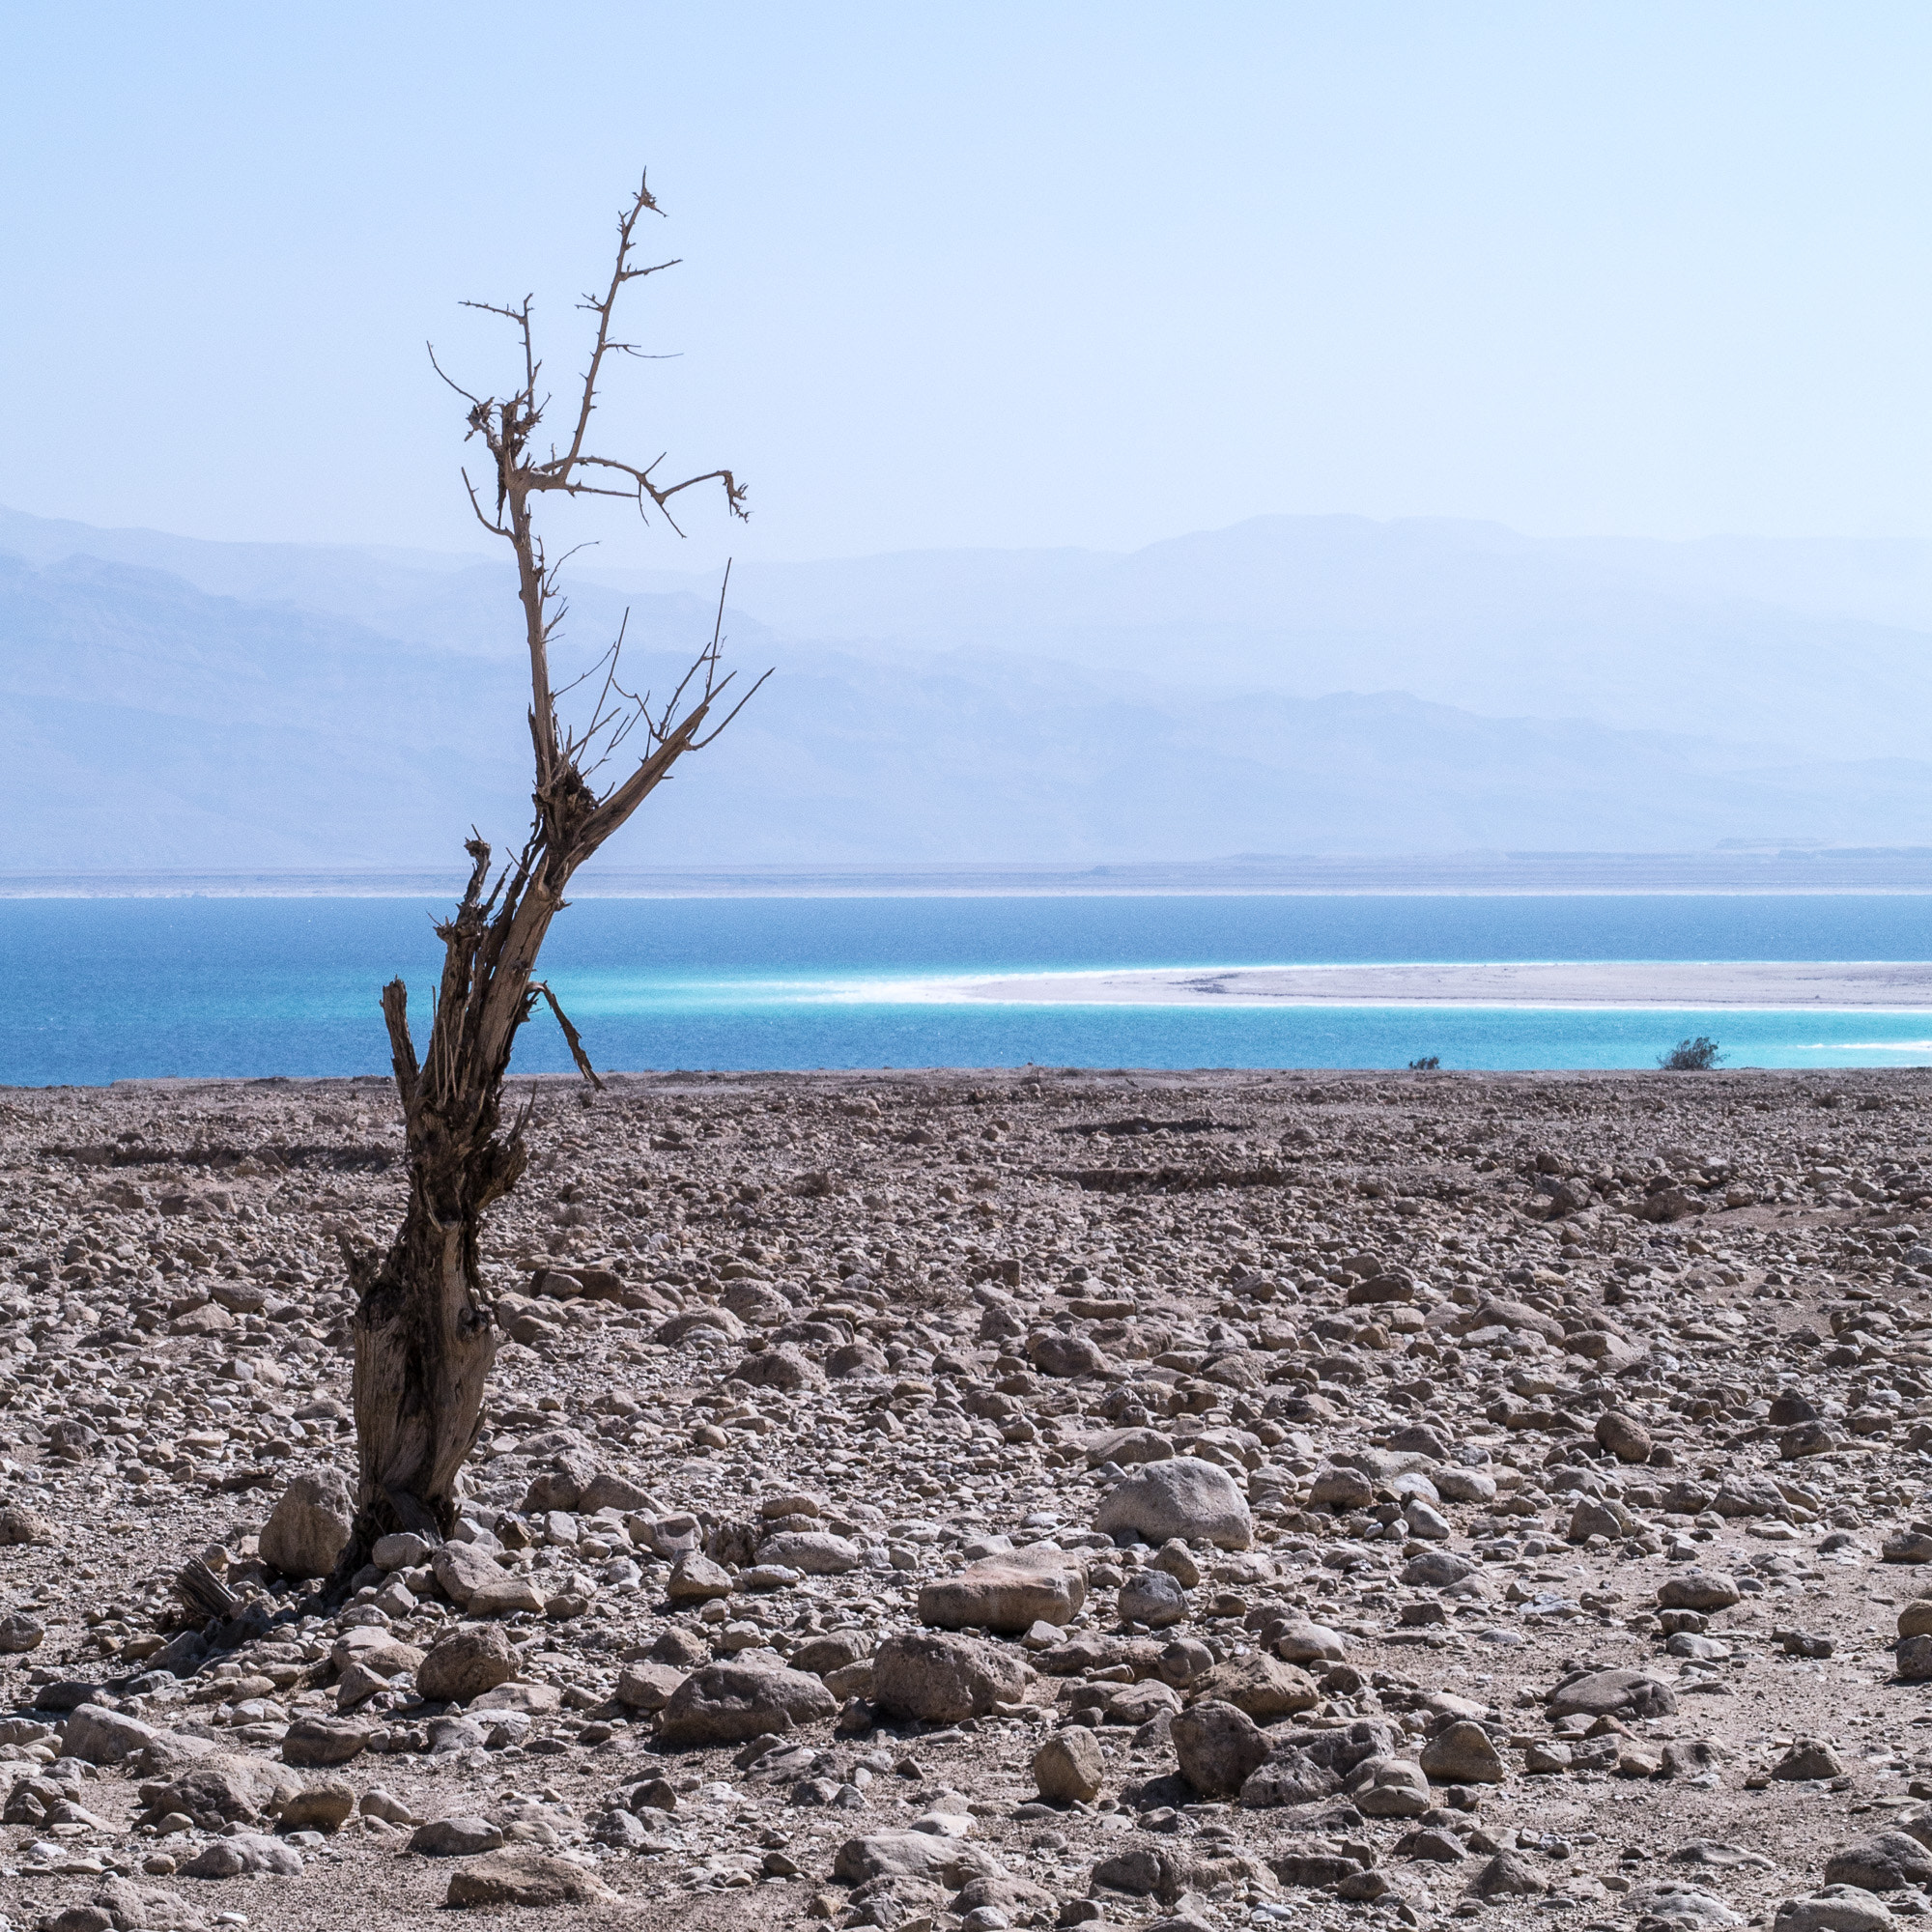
(1290,685)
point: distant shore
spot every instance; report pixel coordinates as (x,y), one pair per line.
(1770,873)
(1820,984)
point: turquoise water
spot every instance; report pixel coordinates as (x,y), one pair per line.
(107,990)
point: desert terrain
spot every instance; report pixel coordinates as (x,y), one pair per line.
(990,1499)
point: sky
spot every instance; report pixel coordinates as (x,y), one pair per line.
(1032,275)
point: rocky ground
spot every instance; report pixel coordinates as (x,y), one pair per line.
(990,1499)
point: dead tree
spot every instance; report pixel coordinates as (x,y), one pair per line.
(423,1333)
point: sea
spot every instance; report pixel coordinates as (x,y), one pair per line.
(104,990)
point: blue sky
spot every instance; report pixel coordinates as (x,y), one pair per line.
(997,274)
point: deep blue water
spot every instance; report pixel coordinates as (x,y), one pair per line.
(106,989)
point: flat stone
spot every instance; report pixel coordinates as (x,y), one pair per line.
(462,1837)
(1008,1593)
(520,1876)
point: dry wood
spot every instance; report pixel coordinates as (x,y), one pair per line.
(424,1338)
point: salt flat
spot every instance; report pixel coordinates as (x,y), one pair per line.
(1677,984)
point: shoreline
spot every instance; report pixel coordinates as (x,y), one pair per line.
(1708,985)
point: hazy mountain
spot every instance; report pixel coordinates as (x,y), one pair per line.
(1314,685)
(1828,646)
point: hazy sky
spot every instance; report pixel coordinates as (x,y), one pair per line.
(1007,275)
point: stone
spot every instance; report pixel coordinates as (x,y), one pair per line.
(1671,1902)
(1599,1515)
(1883,1863)
(461,1570)
(504,1595)
(1838,1908)
(19,1526)
(644,1686)
(1125,1447)
(892,1855)
(1068,1768)
(780,1367)
(97,1735)
(942,1678)
(243,1853)
(1463,1754)
(1912,1658)
(521,1876)
(1435,1570)
(1808,1758)
(727,1703)
(128,1907)
(1219,1747)
(312,1742)
(462,1837)
(1010,1593)
(1183,1497)
(1151,1596)
(323,1806)
(1915,1618)
(814,1552)
(1623,1436)
(308,1527)
(465,1665)
(1507,1875)
(697,1579)
(19,1634)
(1805,1438)
(608,1490)
(1908,1545)
(1340,1489)
(1304,1642)
(227,1785)
(1613,1694)
(1703,1590)
(1054,1351)
(1290,1777)
(1390,1787)
(1263,1685)
(401,1549)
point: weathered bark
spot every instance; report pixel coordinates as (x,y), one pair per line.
(424,1335)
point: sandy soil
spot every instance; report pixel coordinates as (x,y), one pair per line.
(851,1334)
(1825,984)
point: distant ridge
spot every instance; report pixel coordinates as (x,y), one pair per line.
(1833,871)
(1292,685)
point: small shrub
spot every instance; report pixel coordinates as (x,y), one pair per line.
(1428,1064)
(1691,1056)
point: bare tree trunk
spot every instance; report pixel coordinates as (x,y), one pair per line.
(424,1335)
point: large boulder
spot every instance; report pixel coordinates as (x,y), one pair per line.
(1613,1694)
(1701,1590)
(1008,1593)
(462,1569)
(1219,1747)
(97,1735)
(465,1664)
(227,1785)
(523,1876)
(940,1679)
(1838,1908)
(307,1528)
(1182,1496)
(727,1703)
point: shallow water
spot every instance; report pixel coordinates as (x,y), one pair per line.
(106,989)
